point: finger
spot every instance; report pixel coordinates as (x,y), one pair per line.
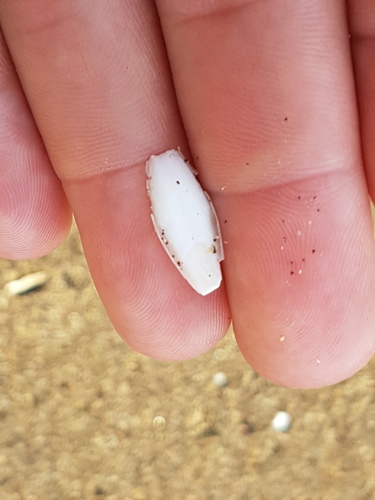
(34,213)
(98,82)
(267,98)
(362,29)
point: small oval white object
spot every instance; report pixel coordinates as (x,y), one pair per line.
(26,283)
(185,220)
(220,379)
(281,422)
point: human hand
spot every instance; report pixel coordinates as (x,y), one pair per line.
(267,107)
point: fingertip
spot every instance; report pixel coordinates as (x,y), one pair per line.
(33,222)
(314,371)
(302,280)
(150,304)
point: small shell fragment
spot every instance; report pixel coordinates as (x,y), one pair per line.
(220,379)
(26,283)
(281,422)
(185,220)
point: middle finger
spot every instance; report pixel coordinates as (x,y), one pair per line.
(97,79)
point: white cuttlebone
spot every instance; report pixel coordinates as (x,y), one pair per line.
(185,220)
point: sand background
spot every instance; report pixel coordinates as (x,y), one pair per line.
(82,416)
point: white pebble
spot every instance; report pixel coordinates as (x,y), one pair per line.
(26,283)
(281,422)
(185,221)
(220,379)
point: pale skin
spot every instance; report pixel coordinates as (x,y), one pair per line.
(276,104)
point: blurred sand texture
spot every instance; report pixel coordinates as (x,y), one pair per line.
(82,416)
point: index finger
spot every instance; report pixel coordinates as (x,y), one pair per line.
(268,101)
